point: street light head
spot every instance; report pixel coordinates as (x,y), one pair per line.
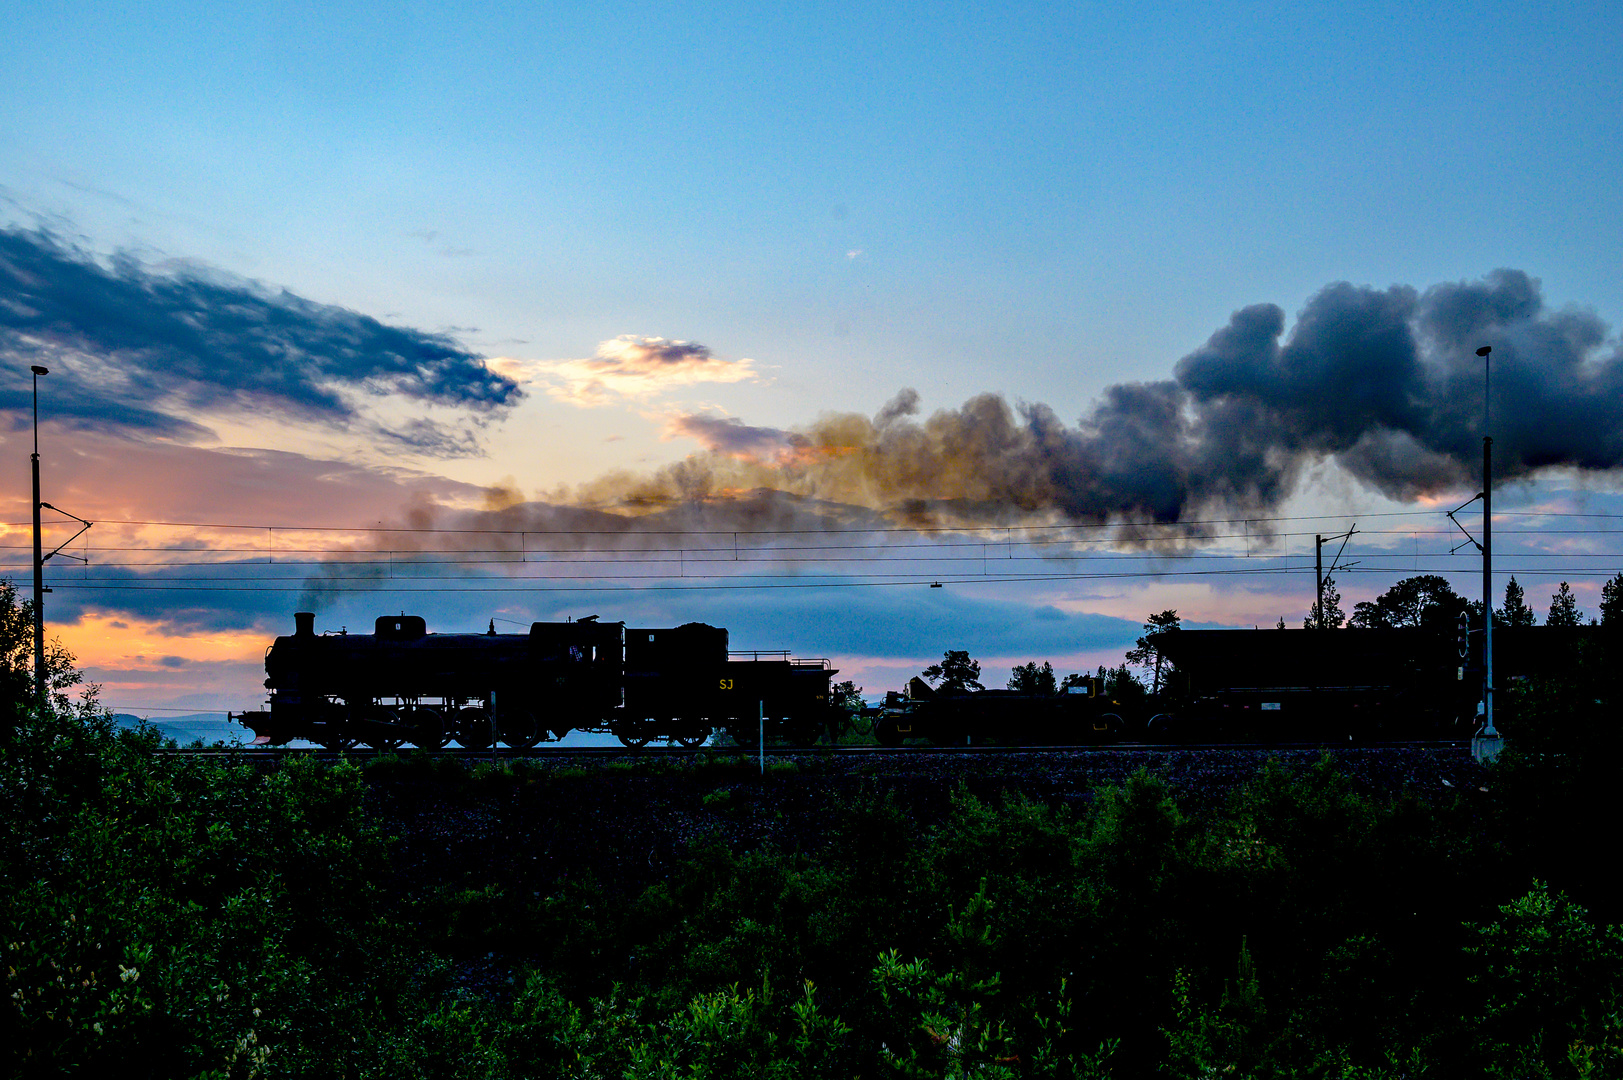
(37,370)
(1485,350)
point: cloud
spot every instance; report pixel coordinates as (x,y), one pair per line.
(631,367)
(313,504)
(731,436)
(156,350)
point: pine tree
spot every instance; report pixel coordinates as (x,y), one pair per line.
(1148,654)
(1033,680)
(1611,603)
(957,672)
(1564,609)
(1517,613)
(1332,616)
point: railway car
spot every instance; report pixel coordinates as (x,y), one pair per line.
(1079,715)
(1316,685)
(403,684)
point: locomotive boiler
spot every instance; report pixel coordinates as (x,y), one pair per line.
(402,684)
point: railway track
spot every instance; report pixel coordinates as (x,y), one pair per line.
(249,753)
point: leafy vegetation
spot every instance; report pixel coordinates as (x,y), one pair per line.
(1034,680)
(1149,654)
(170,917)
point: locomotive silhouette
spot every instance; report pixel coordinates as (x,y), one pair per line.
(403,684)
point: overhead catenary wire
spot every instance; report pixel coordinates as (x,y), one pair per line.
(1172,546)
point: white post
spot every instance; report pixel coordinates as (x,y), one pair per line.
(761,746)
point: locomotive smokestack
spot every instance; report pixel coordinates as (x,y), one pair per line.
(304,624)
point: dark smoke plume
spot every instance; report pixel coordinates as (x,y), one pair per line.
(1384,382)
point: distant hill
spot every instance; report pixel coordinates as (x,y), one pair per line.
(188,728)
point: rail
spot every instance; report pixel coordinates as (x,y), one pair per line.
(778,654)
(249,752)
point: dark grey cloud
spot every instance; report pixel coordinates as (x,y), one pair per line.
(1388,383)
(148,348)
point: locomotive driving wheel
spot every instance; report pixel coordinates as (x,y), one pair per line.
(386,730)
(521,729)
(473,728)
(428,731)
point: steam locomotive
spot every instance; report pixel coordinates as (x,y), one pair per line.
(403,684)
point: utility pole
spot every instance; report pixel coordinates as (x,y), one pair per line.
(1318,569)
(39,558)
(1488,730)
(1318,576)
(1487,588)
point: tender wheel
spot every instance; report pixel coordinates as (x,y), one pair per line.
(473,728)
(337,740)
(634,736)
(802,732)
(690,737)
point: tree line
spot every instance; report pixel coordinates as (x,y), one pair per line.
(1429,600)
(1424,600)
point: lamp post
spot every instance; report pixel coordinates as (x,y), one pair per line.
(1488,730)
(39,558)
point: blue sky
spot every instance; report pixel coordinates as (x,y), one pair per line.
(826,204)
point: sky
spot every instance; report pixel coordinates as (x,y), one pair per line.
(776,317)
